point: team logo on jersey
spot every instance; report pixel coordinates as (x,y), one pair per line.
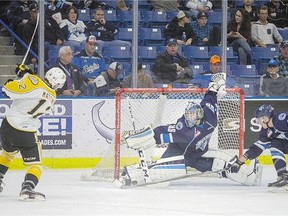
(179,126)
(33,80)
(282,116)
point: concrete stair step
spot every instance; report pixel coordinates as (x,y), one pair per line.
(6,50)
(4,41)
(7,69)
(10,59)
(4,78)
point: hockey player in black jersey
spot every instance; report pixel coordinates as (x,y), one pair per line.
(188,141)
(273,136)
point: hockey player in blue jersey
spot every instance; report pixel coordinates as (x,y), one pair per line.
(188,141)
(273,135)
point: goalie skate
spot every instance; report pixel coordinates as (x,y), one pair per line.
(29,194)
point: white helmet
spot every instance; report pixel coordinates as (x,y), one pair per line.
(56,77)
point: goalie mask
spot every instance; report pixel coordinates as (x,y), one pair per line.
(193,113)
(56,78)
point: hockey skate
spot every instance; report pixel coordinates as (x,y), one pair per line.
(281,185)
(28,194)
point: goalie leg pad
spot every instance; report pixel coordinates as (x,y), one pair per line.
(141,139)
(160,170)
(250,175)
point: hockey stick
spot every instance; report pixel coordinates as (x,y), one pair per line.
(120,185)
(141,152)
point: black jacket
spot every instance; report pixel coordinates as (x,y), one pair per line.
(165,67)
(102,32)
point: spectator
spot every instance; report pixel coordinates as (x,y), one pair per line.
(104,31)
(239,35)
(196,6)
(217,4)
(164,5)
(74,85)
(28,31)
(90,63)
(93,4)
(18,14)
(203,80)
(170,66)
(263,32)
(73,29)
(271,83)
(107,83)
(180,29)
(53,33)
(252,10)
(277,13)
(206,34)
(121,5)
(144,80)
(282,58)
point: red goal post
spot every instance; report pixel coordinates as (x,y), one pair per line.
(135,108)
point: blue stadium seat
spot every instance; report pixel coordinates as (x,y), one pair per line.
(84,15)
(249,84)
(116,53)
(125,34)
(53,53)
(196,54)
(260,56)
(150,37)
(147,53)
(126,17)
(111,16)
(197,69)
(217,50)
(284,33)
(243,70)
(170,15)
(215,17)
(154,19)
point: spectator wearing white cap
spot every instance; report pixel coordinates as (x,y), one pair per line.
(107,83)
(180,29)
(90,63)
(282,58)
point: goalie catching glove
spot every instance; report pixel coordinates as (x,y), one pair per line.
(144,138)
(234,164)
(217,84)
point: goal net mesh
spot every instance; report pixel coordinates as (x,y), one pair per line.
(138,108)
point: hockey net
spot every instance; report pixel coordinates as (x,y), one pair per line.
(137,108)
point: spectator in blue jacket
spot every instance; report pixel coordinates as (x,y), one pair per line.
(90,63)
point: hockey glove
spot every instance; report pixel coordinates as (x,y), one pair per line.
(22,69)
(234,165)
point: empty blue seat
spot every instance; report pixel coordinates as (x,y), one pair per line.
(125,34)
(196,54)
(197,69)
(154,18)
(284,33)
(84,15)
(150,37)
(249,84)
(111,16)
(243,70)
(126,17)
(53,53)
(215,17)
(116,53)
(147,53)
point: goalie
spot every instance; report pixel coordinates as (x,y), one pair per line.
(187,141)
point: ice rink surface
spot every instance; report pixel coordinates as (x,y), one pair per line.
(66,194)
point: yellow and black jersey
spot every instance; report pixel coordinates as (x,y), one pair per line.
(31,97)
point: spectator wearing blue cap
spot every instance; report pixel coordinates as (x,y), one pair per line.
(282,58)
(271,83)
(170,66)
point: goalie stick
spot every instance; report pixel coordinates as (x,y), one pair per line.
(122,186)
